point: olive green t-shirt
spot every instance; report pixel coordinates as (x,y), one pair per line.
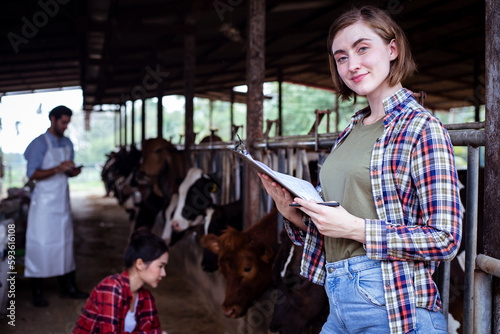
(345,177)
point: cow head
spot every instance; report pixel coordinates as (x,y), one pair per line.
(217,219)
(299,302)
(159,156)
(196,194)
(245,260)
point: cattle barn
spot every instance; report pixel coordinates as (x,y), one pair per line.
(121,51)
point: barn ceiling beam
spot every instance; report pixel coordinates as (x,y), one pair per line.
(95,40)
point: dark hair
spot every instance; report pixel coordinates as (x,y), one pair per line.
(58,111)
(143,245)
(384,26)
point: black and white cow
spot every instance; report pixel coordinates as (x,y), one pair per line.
(196,206)
(196,194)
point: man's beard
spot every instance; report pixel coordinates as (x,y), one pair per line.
(58,132)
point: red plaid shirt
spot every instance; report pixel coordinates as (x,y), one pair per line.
(108,304)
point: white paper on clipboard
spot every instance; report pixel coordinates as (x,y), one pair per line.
(297,187)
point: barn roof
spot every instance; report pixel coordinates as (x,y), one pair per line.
(117,50)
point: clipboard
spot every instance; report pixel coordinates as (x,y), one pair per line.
(296,186)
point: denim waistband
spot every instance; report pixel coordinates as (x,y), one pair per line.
(351,265)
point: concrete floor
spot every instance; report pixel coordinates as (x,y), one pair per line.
(101,232)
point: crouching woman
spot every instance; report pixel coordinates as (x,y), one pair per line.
(120,303)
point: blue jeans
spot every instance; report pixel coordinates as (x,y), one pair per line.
(355,291)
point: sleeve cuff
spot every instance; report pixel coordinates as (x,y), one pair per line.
(296,235)
(376,239)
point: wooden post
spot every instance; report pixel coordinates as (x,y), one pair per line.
(477,89)
(189,76)
(125,125)
(280,103)
(143,121)
(116,136)
(255,98)
(159,125)
(120,142)
(491,239)
(210,114)
(132,124)
(231,114)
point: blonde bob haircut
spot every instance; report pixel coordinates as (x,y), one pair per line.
(383,25)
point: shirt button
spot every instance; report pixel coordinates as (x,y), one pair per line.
(331,270)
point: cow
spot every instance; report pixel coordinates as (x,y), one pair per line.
(159,174)
(300,304)
(217,219)
(245,259)
(195,206)
(163,222)
(107,173)
(162,167)
(211,139)
(196,193)
(118,172)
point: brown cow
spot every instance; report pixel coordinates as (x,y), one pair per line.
(210,139)
(245,260)
(162,167)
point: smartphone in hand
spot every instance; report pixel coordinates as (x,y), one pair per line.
(70,172)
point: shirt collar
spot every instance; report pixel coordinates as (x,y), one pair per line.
(390,103)
(126,284)
(53,138)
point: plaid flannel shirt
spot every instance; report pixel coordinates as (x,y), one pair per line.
(416,195)
(108,305)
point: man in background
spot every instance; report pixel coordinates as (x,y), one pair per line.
(49,234)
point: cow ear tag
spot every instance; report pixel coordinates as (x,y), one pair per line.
(214,188)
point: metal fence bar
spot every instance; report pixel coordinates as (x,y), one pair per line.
(445,288)
(488,264)
(483,303)
(459,137)
(471,237)
(465,126)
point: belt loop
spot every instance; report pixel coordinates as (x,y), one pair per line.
(346,267)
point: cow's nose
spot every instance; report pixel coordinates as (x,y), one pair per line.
(232,311)
(137,197)
(175,225)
